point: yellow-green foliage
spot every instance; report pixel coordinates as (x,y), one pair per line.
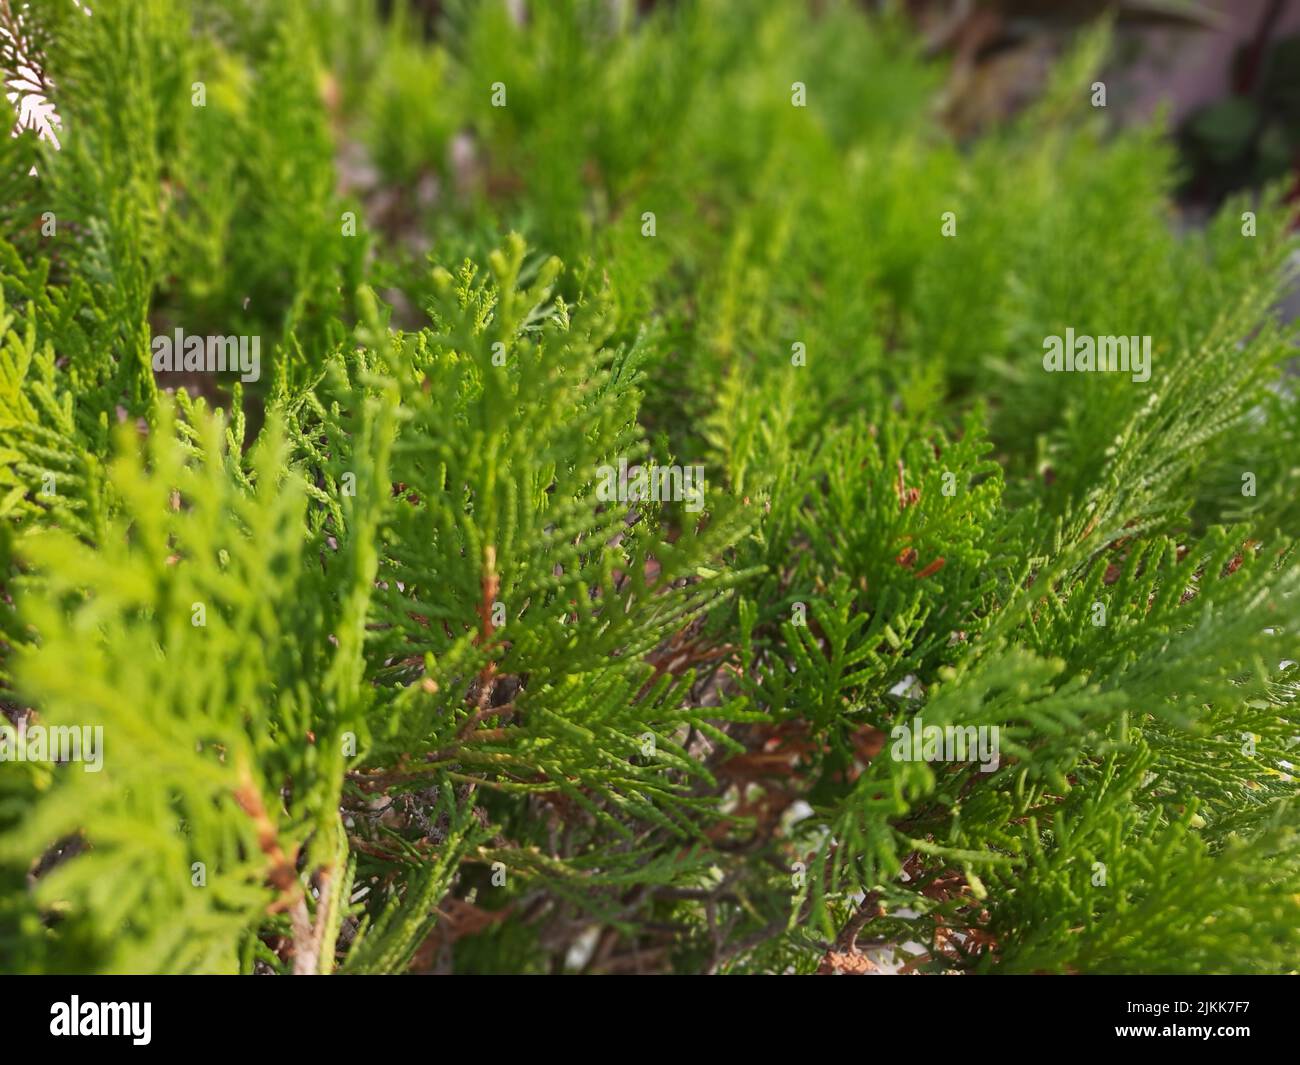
(368,645)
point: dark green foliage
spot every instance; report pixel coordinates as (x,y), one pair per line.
(387,680)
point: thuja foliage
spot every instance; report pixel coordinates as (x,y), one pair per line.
(387,682)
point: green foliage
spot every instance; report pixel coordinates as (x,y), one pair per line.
(388,680)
